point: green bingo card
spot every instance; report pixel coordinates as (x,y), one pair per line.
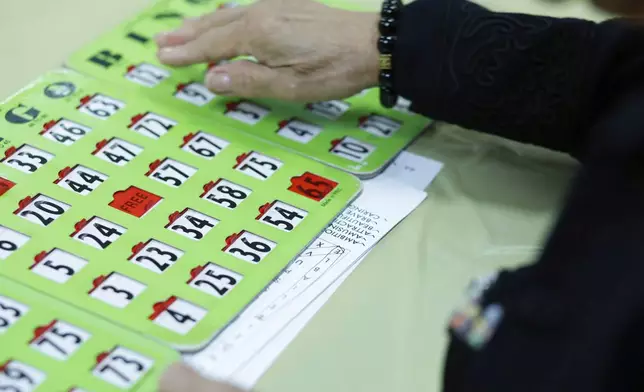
(356,135)
(163,223)
(46,345)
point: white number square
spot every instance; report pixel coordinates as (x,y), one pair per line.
(194,93)
(156,256)
(152,125)
(171,172)
(147,75)
(214,280)
(42,210)
(225,193)
(258,166)
(352,149)
(204,145)
(123,368)
(116,290)
(249,247)
(10,241)
(10,312)
(65,131)
(299,131)
(26,158)
(59,340)
(379,125)
(58,266)
(18,376)
(191,224)
(117,151)
(281,215)
(331,110)
(81,180)
(246,112)
(178,315)
(100,106)
(98,233)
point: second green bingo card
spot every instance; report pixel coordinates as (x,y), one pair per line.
(356,134)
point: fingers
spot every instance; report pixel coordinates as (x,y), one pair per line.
(216,44)
(192,28)
(181,378)
(252,80)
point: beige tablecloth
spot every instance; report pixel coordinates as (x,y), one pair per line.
(384,329)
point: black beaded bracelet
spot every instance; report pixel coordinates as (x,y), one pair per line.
(388,25)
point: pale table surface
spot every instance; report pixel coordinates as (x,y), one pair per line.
(384,330)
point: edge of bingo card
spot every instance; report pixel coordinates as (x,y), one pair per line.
(103,335)
(353,187)
(384,151)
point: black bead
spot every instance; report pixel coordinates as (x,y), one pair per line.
(386,79)
(387,26)
(386,44)
(391,9)
(387,97)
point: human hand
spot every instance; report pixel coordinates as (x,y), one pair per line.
(181,378)
(305,51)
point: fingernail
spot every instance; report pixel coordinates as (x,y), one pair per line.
(219,81)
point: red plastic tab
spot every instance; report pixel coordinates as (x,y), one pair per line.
(161,307)
(84,100)
(62,174)
(137,248)
(264,209)
(23,203)
(100,145)
(39,258)
(174,216)
(136,119)
(48,125)
(195,272)
(10,151)
(232,238)
(335,143)
(241,159)
(38,332)
(153,166)
(135,201)
(181,86)
(188,138)
(5,185)
(312,186)
(101,357)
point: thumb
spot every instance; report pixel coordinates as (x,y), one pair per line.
(252,80)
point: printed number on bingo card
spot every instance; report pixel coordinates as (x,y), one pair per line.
(204,145)
(65,132)
(59,340)
(379,125)
(177,315)
(116,290)
(214,280)
(151,125)
(352,149)
(80,179)
(225,193)
(156,256)
(58,266)
(191,224)
(26,158)
(194,93)
(171,172)
(122,368)
(10,312)
(257,165)
(10,241)
(147,75)
(299,131)
(97,233)
(19,377)
(117,151)
(246,112)
(281,215)
(100,106)
(41,210)
(331,110)
(249,247)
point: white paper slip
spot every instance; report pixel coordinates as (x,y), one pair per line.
(414,170)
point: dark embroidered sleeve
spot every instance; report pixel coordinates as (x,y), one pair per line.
(524,77)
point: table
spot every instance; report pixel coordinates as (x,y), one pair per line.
(384,329)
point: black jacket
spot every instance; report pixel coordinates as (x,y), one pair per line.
(574,319)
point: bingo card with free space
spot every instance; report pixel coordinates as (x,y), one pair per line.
(47,345)
(163,223)
(356,134)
